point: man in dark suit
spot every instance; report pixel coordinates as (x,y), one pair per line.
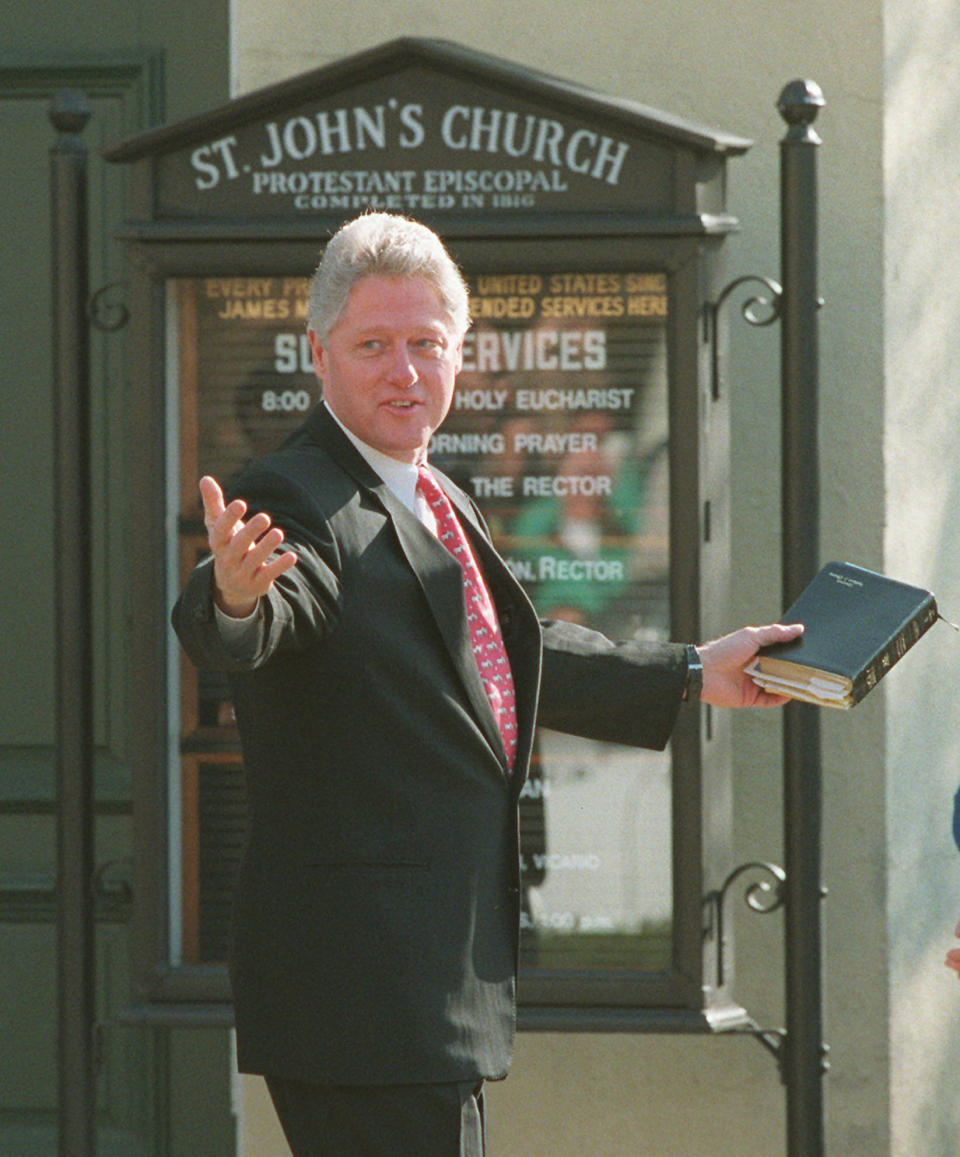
(387,674)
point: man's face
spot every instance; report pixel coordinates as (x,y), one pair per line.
(390,364)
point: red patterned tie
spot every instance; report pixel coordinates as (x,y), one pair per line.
(485,637)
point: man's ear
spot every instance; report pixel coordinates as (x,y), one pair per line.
(318,353)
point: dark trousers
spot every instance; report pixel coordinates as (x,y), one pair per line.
(380,1120)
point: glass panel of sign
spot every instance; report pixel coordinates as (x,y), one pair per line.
(559,430)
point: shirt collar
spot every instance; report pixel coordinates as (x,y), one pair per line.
(399,477)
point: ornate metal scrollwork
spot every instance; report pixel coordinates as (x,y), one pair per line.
(763,894)
(111,884)
(757,301)
(106,315)
(758,309)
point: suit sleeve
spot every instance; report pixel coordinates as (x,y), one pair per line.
(302,606)
(619,692)
(626,692)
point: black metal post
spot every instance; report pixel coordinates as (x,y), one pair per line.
(804,1054)
(74,688)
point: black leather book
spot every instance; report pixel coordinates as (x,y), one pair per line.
(858,624)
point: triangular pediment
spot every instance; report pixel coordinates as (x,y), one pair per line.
(436,130)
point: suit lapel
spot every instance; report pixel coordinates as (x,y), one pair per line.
(441,579)
(438,573)
(521,633)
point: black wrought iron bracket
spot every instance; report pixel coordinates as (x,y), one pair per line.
(112,884)
(112,889)
(765,892)
(105,314)
(774,1040)
(759,309)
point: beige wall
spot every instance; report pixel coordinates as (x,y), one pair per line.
(888,185)
(922,359)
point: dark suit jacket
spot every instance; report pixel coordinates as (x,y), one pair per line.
(377,912)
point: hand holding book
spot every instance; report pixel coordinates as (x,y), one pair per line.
(859,624)
(725,682)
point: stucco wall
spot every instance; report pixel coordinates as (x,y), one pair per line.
(888,181)
(922,359)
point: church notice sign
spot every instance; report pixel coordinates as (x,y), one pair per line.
(419,142)
(559,431)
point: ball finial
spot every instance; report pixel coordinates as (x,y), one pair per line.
(69,111)
(800,102)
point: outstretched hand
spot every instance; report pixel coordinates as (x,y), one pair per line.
(724,682)
(242,567)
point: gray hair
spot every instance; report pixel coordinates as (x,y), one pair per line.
(385,245)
